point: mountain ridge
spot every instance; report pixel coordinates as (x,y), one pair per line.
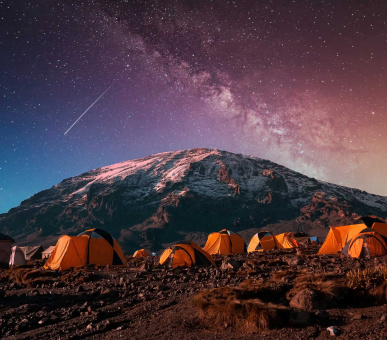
(163,198)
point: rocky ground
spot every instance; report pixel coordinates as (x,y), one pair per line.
(273,295)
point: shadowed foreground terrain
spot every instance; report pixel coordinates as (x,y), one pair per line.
(273,295)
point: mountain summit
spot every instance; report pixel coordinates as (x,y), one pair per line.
(156,200)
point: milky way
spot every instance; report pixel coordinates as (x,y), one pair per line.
(301,83)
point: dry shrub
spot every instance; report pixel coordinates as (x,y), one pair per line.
(367,278)
(371,280)
(251,284)
(29,277)
(223,307)
(290,274)
(328,286)
(39,276)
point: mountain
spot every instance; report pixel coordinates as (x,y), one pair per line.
(156,200)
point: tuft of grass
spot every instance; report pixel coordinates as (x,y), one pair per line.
(226,307)
(367,278)
(29,277)
(327,285)
(373,281)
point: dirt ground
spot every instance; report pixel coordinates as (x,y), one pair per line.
(144,301)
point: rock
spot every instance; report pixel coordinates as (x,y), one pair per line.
(333,331)
(294,261)
(89,327)
(230,264)
(43,321)
(305,299)
(80,289)
(357,317)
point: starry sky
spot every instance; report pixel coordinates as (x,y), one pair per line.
(302,83)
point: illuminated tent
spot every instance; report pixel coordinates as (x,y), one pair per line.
(370,220)
(381,228)
(5,250)
(185,255)
(368,243)
(285,241)
(141,253)
(263,240)
(376,223)
(338,237)
(225,242)
(94,246)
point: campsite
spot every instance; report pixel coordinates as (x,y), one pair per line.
(209,169)
(285,286)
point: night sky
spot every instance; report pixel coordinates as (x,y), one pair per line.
(302,83)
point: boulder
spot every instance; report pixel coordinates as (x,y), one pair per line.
(228,264)
(305,299)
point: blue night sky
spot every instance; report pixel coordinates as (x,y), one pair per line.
(301,83)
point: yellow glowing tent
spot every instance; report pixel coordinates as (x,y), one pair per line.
(94,246)
(141,253)
(285,241)
(263,240)
(224,242)
(381,228)
(368,243)
(185,255)
(338,237)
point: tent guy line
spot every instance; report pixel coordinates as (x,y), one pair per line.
(90,107)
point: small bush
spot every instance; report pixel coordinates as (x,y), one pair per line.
(221,307)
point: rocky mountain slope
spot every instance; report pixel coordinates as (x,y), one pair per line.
(160,199)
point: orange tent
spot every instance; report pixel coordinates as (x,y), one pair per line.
(366,244)
(381,228)
(94,246)
(263,240)
(141,253)
(225,242)
(185,255)
(338,237)
(370,220)
(285,241)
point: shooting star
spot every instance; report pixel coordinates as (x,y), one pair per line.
(89,107)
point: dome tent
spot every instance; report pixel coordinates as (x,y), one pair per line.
(285,241)
(47,252)
(141,253)
(263,240)
(338,237)
(5,250)
(367,243)
(376,223)
(94,246)
(32,253)
(17,257)
(224,242)
(187,254)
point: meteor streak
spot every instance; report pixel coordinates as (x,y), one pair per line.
(89,107)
